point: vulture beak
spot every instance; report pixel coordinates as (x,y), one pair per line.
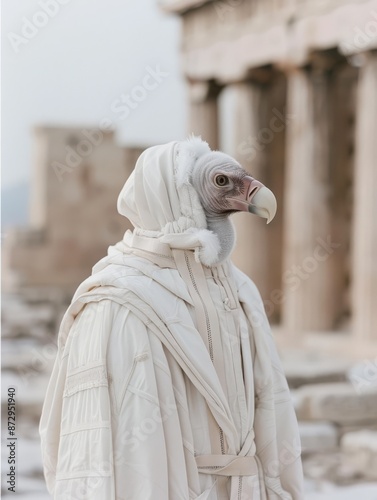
(256,199)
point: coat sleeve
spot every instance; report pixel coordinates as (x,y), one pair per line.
(104,421)
(75,426)
(282,447)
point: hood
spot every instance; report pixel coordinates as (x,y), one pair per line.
(160,202)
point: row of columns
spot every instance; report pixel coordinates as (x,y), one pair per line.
(318,262)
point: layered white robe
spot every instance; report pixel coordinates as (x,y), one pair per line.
(167,384)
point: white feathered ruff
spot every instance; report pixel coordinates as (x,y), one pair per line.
(189,152)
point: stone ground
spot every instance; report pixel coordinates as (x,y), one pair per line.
(336,402)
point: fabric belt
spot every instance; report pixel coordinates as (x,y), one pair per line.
(227,465)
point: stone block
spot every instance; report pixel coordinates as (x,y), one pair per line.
(360,452)
(338,403)
(313,371)
(357,491)
(318,436)
(363,375)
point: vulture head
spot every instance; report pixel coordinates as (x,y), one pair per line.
(224,187)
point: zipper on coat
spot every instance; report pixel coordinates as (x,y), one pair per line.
(209,333)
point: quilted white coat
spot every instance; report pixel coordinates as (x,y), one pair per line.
(167,384)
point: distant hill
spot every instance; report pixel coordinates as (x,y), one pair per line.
(15,205)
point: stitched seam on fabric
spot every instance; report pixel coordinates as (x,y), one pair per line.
(162,367)
(171,320)
(145,395)
(281,401)
(126,384)
(86,367)
(65,354)
(188,447)
(83,474)
(79,382)
(112,395)
(222,440)
(180,400)
(84,387)
(88,427)
(240,488)
(148,252)
(221,287)
(280,391)
(87,375)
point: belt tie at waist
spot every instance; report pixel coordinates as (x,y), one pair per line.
(227,465)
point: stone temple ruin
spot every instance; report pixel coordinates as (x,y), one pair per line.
(76,178)
(289,87)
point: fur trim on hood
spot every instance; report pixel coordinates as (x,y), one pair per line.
(160,201)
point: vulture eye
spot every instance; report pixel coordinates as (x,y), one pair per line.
(221,180)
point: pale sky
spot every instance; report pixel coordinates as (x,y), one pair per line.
(75,69)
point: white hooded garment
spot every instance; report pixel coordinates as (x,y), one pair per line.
(167,384)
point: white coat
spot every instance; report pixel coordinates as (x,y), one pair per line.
(167,384)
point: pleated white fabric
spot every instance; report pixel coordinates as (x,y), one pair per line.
(167,384)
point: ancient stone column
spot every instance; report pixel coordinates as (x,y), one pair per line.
(250,251)
(203,114)
(258,124)
(364,261)
(342,138)
(309,300)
